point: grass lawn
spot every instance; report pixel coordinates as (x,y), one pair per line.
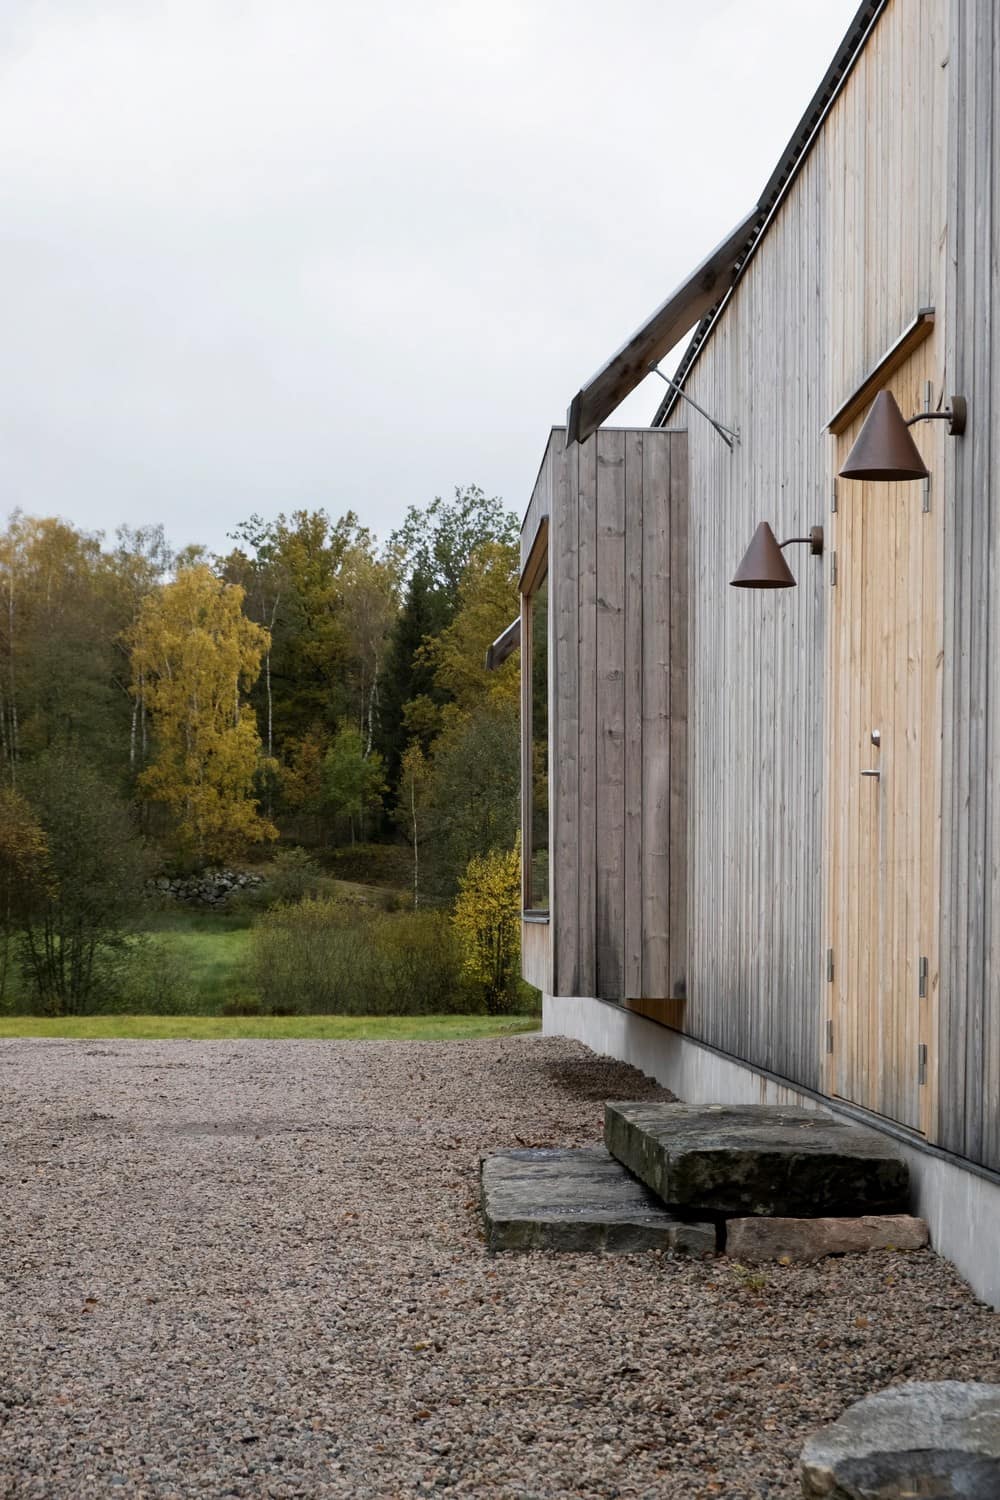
(239,1028)
(213,952)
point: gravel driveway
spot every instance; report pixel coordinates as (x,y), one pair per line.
(254,1269)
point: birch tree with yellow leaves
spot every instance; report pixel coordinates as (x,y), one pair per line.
(197,656)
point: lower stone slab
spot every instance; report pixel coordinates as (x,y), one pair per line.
(745,1159)
(562,1199)
(755,1240)
(931,1439)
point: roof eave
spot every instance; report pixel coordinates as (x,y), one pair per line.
(780,181)
(630,364)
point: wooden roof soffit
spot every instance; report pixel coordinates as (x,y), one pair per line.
(506,642)
(911,337)
(681,311)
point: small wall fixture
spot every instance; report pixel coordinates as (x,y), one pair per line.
(884,448)
(763,566)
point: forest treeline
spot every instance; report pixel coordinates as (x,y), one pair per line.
(313,687)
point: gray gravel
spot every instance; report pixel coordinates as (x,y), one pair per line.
(255,1269)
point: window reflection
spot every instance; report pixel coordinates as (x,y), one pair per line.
(537,882)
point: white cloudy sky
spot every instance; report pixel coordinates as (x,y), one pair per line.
(264,254)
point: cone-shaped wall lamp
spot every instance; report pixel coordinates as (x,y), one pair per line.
(763,566)
(884,448)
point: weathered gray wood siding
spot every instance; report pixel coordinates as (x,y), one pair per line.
(617,644)
(855,249)
(690,734)
(970,909)
(536,935)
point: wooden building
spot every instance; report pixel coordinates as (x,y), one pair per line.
(714,887)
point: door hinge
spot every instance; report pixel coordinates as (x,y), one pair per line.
(833,497)
(922,974)
(829,1036)
(922,1063)
(926,487)
(833,570)
(829,965)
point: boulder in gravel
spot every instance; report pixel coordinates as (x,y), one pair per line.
(757,1159)
(810,1239)
(555,1199)
(928,1439)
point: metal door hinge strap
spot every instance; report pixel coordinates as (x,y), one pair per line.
(922,971)
(829,1036)
(833,570)
(926,499)
(922,1063)
(829,965)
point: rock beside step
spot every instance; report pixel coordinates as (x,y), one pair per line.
(751,1159)
(578,1200)
(755,1240)
(928,1438)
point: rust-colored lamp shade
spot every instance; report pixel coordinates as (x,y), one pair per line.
(884,448)
(763,566)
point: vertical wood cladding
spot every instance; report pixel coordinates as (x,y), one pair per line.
(617,578)
(693,724)
(857,246)
(970,906)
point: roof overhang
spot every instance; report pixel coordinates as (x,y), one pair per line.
(506,642)
(779,184)
(681,311)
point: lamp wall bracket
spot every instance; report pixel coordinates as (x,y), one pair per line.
(814,541)
(956,416)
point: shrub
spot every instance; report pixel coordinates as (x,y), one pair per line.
(293,875)
(150,979)
(487,921)
(324,957)
(75,923)
(424,963)
(25,878)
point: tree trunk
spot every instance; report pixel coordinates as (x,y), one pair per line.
(267,689)
(270,707)
(372,710)
(132,735)
(416,849)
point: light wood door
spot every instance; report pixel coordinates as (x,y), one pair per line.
(884,716)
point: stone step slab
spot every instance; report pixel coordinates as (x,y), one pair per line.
(561,1199)
(756,1240)
(928,1439)
(748,1160)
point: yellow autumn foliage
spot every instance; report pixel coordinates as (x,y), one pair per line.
(487,921)
(487,602)
(195,654)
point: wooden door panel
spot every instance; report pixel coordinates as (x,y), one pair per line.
(885,659)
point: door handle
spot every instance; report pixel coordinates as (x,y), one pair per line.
(876,774)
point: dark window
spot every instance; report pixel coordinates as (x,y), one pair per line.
(537,792)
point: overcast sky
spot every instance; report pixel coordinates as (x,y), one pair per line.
(266,254)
